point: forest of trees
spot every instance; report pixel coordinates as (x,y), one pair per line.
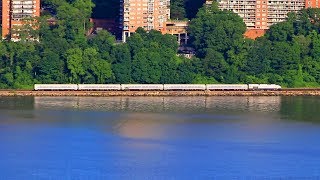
(185,9)
(289,53)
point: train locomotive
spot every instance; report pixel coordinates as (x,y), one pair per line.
(155,87)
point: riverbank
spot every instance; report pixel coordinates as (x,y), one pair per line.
(162,93)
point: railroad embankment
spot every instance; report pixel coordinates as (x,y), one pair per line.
(291,92)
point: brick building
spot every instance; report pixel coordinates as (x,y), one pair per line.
(148,14)
(259,15)
(179,29)
(14,12)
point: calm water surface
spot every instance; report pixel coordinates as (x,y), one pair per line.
(160,138)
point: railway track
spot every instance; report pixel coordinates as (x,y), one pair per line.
(300,89)
(11,90)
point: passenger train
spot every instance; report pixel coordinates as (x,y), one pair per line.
(155,87)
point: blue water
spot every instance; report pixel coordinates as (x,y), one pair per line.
(160,138)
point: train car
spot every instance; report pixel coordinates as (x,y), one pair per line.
(55,87)
(269,87)
(142,87)
(99,87)
(227,87)
(155,87)
(253,86)
(184,87)
(263,87)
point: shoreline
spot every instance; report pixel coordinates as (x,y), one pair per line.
(10,93)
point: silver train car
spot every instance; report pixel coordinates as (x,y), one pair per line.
(55,87)
(99,87)
(142,87)
(184,87)
(155,87)
(264,87)
(226,87)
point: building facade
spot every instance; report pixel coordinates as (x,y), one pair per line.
(179,29)
(261,14)
(13,14)
(148,14)
(1,12)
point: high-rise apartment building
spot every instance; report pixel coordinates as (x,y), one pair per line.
(14,12)
(1,12)
(148,14)
(261,14)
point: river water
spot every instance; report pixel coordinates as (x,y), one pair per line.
(159,138)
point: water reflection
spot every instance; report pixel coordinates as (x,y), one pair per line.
(305,109)
(287,108)
(13,103)
(137,125)
(162,137)
(162,104)
(156,117)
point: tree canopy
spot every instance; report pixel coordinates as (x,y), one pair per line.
(288,54)
(185,9)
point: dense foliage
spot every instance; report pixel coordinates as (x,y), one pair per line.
(106,8)
(289,54)
(185,9)
(64,54)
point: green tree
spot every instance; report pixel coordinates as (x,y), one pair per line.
(177,9)
(99,68)
(215,29)
(215,65)
(75,64)
(122,65)
(51,69)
